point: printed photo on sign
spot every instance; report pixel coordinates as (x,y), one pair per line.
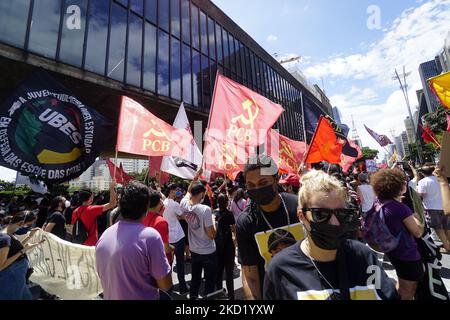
(272,242)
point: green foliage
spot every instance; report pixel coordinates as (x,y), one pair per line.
(437,121)
(369,154)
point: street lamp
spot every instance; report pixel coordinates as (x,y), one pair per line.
(404,88)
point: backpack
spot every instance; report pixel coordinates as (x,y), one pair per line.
(79,232)
(375,231)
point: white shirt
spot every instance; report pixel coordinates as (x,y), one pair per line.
(367,196)
(413,184)
(172,210)
(430,190)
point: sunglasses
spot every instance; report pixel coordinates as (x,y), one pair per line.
(321,215)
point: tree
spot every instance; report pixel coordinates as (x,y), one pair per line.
(437,121)
(369,154)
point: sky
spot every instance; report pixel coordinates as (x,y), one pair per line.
(353,48)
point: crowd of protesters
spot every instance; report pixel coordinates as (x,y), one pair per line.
(142,234)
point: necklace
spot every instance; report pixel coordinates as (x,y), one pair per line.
(334,295)
(285,210)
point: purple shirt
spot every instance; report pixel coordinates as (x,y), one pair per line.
(129,258)
(395,212)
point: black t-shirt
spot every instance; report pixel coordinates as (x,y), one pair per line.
(251,222)
(42,216)
(292,276)
(224,238)
(59,220)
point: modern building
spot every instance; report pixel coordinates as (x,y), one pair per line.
(410,130)
(158,52)
(399,146)
(405,144)
(133,165)
(428,70)
(444,55)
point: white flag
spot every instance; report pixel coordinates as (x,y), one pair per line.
(35,185)
(187,166)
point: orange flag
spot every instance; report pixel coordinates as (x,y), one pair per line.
(287,153)
(121,176)
(325,146)
(141,132)
(239,114)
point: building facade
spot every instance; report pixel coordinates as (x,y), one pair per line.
(159,52)
(429,70)
(410,130)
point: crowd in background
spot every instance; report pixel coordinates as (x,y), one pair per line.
(141,232)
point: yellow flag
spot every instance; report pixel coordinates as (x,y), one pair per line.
(394,157)
(440,85)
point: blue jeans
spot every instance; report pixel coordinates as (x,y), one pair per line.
(13,282)
(202,262)
(179,256)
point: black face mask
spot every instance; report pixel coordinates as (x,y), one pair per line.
(327,236)
(262,196)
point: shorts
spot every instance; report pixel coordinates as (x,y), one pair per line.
(408,270)
(438,220)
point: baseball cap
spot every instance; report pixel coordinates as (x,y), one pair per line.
(292,179)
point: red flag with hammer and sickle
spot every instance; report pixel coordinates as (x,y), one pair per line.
(141,132)
(240,115)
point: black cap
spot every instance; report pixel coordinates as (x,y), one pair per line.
(172,186)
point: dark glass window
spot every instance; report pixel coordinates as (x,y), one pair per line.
(196,78)
(186,21)
(243,61)
(187,75)
(232,53)
(117,42)
(219,43)
(195,27)
(206,83)
(175,71)
(73,31)
(13,21)
(137,6)
(150,57)
(212,39)
(151,10)
(249,65)
(163,64)
(97,36)
(164,13)
(226,50)
(44,27)
(124,2)
(175,17)
(237,57)
(203,33)
(134,50)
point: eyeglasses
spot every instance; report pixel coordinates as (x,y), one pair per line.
(321,215)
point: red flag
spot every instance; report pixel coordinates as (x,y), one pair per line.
(287,153)
(224,157)
(448,122)
(428,135)
(140,132)
(347,161)
(239,114)
(325,146)
(154,165)
(121,176)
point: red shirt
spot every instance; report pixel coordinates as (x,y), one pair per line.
(160,224)
(89,216)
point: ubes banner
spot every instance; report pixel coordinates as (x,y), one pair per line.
(47,133)
(64,269)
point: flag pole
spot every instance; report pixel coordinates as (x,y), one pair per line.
(434,139)
(115,164)
(147,173)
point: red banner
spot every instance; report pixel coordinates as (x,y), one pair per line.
(347,161)
(141,132)
(287,153)
(325,146)
(121,176)
(240,115)
(224,157)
